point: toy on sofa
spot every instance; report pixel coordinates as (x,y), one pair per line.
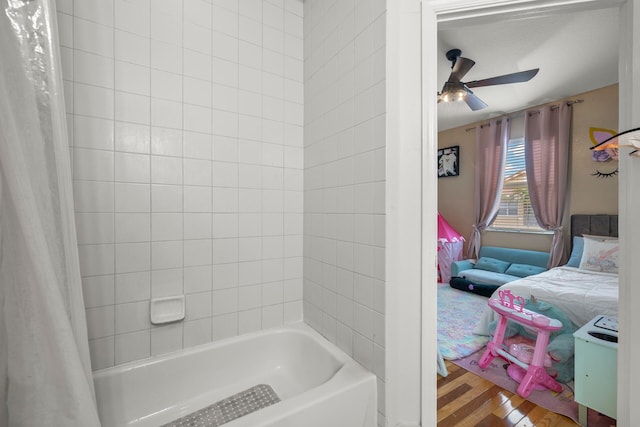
(530,375)
(561,343)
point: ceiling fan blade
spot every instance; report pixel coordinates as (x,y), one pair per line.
(474,102)
(521,76)
(460,68)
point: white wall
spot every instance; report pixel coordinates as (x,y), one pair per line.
(186,130)
(411,219)
(344,176)
(629,296)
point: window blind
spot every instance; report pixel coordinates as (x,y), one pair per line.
(515,206)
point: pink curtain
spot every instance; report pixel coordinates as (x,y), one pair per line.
(491,153)
(547,162)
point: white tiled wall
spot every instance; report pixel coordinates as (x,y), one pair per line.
(344,177)
(186,127)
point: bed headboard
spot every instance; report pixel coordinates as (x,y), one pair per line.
(597,225)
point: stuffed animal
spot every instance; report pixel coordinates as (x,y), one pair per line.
(561,343)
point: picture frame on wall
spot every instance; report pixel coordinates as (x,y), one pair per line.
(449,161)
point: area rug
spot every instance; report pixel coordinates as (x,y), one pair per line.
(561,403)
(458,313)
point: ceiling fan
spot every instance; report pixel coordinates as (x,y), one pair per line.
(455,90)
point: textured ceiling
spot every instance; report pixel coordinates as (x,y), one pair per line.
(576,52)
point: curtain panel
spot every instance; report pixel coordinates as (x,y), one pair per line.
(547,141)
(45,372)
(491,154)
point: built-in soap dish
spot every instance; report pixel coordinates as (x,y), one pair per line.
(167,310)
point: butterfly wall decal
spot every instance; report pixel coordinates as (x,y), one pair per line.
(629,138)
(598,136)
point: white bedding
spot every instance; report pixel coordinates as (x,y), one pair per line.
(580,294)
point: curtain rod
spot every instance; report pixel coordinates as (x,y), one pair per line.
(517,113)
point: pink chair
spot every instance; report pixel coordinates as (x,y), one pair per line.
(533,375)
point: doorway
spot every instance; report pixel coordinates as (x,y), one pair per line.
(439,11)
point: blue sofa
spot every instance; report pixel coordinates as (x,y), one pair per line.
(496,266)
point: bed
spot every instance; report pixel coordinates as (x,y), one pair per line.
(580,293)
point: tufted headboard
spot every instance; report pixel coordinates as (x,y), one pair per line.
(597,225)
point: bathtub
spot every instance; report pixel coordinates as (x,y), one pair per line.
(318,385)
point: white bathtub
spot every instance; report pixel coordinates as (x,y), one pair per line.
(319,385)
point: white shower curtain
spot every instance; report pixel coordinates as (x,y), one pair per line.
(45,373)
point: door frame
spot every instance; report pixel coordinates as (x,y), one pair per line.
(412,187)
(445,11)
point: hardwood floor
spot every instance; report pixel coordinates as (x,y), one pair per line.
(466,400)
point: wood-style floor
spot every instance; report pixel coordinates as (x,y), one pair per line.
(465,399)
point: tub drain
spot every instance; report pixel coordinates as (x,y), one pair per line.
(236,406)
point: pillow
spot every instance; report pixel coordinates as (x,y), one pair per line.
(576,252)
(524,270)
(600,256)
(492,264)
(578,246)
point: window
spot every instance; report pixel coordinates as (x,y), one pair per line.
(515,212)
